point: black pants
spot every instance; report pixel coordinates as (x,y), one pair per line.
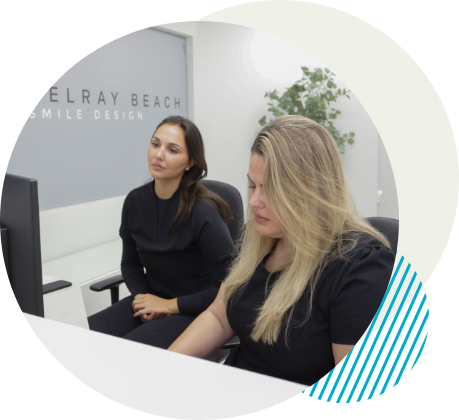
(118,320)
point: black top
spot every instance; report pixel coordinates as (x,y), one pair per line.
(188,265)
(345,300)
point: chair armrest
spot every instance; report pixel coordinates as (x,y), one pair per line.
(234,342)
(111,284)
(106,284)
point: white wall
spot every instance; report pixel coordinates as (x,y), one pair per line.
(233,67)
(388,203)
(181,28)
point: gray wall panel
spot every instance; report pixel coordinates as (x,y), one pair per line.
(77,157)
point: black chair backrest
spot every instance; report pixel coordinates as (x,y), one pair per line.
(388,227)
(233,199)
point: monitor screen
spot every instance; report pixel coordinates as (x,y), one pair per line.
(19,215)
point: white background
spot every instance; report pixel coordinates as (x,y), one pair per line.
(426,177)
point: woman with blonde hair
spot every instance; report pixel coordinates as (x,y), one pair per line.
(309,274)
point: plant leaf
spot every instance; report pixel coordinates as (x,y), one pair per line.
(311,97)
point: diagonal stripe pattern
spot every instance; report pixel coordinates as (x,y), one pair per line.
(390,347)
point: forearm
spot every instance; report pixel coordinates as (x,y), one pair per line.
(135,279)
(205,335)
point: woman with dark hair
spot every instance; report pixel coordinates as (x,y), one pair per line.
(176,244)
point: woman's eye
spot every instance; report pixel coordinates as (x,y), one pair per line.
(154,144)
(173,151)
(251,187)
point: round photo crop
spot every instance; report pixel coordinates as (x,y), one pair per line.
(93,140)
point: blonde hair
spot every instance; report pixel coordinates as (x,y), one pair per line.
(305,187)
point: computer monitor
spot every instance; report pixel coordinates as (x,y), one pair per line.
(20,235)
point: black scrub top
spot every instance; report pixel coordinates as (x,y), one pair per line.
(188,265)
(345,300)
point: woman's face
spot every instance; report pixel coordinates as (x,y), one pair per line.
(167,154)
(267,223)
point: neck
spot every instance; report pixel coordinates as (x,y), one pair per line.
(279,256)
(165,188)
(281,247)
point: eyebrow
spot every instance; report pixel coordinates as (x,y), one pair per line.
(252,181)
(170,144)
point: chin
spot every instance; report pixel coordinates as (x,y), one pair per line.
(263,230)
(156,174)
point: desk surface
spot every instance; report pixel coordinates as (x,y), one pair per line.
(157,381)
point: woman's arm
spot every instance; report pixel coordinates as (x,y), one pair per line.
(132,269)
(340,351)
(133,272)
(207,333)
(216,245)
(131,266)
(357,296)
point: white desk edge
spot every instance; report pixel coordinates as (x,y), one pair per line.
(166,383)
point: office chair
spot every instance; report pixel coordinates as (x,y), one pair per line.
(233,199)
(388,227)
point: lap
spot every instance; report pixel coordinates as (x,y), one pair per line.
(118,320)
(161,332)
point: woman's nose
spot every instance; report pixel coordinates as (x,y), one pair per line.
(255,200)
(160,153)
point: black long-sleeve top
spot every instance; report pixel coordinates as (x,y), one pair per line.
(188,265)
(345,299)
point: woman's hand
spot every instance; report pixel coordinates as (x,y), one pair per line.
(150,307)
(149,317)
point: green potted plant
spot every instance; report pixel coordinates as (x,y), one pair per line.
(312,96)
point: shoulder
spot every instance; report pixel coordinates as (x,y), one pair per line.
(142,190)
(368,256)
(367,266)
(369,248)
(205,209)
(130,209)
(136,199)
(138,193)
(352,291)
(206,221)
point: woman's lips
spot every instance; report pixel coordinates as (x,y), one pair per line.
(156,166)
(260,219)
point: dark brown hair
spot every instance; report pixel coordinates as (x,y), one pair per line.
(190,188)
